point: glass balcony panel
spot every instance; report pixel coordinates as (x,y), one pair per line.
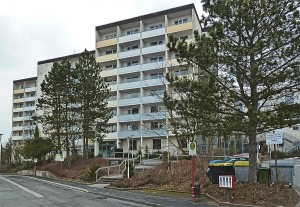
(128,117)
(153,49)
(129,53)
(153,33)
(128,38)
(153,65)
(130,85)
(129,101)
(130,69)
(126,134)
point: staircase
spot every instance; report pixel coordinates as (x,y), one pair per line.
(295,142)
(147,164)
(109,179)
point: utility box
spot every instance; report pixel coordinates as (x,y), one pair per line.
(264,175)
(285,169)
(241,169)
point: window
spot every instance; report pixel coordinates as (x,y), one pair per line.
(107,52)
(133,111)
(295,127)
(156,125)
(183,143)
(157,26)
(133,47)
(181,72)
(131,63)
(110,66)
(181,21)
(156,92)
(134,31)
(20,124)
(20,114)
(133,95)
(181,38)
(133,127)
(156,144)
(156,43)
(32,94)
(111,128)
(112,97)
(156,59)
(156,75)
(155,109)
(132,144)
(110,36)
(132,79)
(21,96)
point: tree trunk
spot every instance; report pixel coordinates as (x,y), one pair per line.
(252,156)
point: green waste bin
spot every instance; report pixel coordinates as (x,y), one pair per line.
(264,175)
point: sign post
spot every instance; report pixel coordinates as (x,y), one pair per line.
(192,152)
(275,138)
(60,158)
(35,161)
(228,182)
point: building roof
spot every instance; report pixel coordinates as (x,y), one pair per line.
(61,58)
(25,80)
(147,16)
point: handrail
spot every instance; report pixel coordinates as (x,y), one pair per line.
(108,169)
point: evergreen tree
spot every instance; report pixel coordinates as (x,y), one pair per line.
(254,47)
(91,98)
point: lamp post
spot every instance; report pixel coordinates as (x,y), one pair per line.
(0,149)
(128,141)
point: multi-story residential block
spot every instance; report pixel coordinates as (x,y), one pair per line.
(135,59)
(23,109)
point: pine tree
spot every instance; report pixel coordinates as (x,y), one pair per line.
(254,47)
(91,98)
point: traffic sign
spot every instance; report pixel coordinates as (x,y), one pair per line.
(192,148)
(274,138)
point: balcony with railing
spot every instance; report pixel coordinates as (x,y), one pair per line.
(129,133)
(153,32)
(153,82)
(128,38)
(17,91)
(180,27)
(129,69)
(129,53)
(128,117)
(18,100)
(153,65)
(105,58)
(27,99)
(129,101)
(132,84)
(29,108)
(153,49)
(30,89)
(18,109)
(107,42)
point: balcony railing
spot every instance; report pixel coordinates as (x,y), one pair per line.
(154,32)
(153,49)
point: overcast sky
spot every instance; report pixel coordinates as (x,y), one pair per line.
(35,30)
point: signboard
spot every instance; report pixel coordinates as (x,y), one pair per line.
(274,138)
(59,157)
(226,181)
(35,160)
(115,162)
(192,148)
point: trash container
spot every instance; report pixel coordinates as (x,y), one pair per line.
(285,169)
(216,169)
(264,175)
(241,169)
(197,189)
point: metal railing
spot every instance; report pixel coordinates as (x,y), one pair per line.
(108,168)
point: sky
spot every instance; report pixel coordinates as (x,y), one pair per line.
(35,30)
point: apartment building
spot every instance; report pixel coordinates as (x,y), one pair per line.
(23,109)
(135,59)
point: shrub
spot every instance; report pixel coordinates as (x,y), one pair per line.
(91,174)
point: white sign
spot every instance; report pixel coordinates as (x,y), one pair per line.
(59,157)
(192,148)
(35,160)
(274,138)
(226,181)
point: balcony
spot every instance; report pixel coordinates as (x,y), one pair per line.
(129,69)
(152,99)
(153,33)
(128,38)
(31,89)
(17,109)
(153,65)
(126,134)
(18,119)
(27,118)
(19,100)
(128,117)
(27,99)
(112,120)
(29,108)
(107,73)
(153,82)
(153,49)
(18,128)
(179,27)
(113,103)
(17,138)
(129,53)
(129,101)
(112,87)
(19,91)
(30,127)
(111,135)
(153,116)
(129,85)
(154,133)
(105,58)
(105,43)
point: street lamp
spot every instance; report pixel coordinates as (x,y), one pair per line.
(128,141)
(0,149)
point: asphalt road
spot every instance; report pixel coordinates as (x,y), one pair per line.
(28,191)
